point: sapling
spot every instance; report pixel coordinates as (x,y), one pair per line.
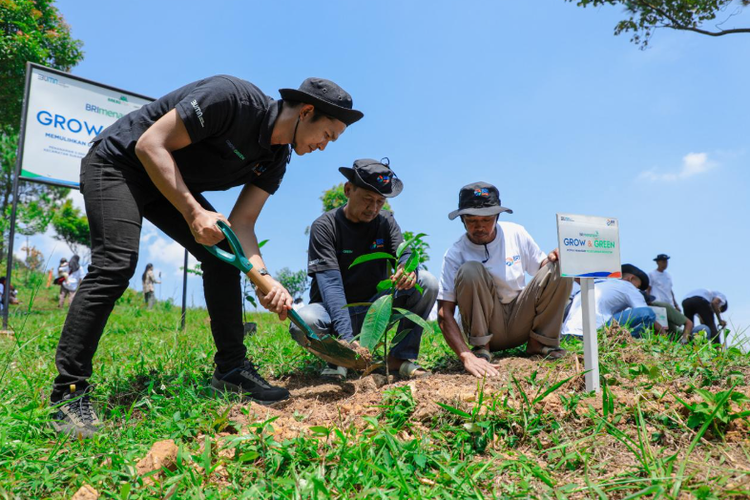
(381,316)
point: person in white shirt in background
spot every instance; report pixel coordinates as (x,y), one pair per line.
(661,282)
(618,300)
(70,285)
(484,274)
(705,303)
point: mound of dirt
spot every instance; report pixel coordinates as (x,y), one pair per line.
(321,402)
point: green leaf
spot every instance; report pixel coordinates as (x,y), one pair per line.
(386,284)
(416,319)
(260,245)
(357,304)
(453,410)
(404,244)
(320,430)
(400,336)
(419,288)
(376,321)
(250,456)
(371,256)
(412,263)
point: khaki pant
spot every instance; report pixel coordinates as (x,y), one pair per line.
(495,316)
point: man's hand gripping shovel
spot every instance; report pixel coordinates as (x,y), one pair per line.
(325,346)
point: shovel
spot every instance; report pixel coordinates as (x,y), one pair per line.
(322,346)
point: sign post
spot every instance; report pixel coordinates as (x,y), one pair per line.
(589,249)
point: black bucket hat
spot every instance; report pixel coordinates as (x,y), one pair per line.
(374,175)
(327,97)
(479,198)
(631,269)
(662,256)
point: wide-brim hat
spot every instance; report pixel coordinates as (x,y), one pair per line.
(327,97)
(662,256)
(375,176)
(635,271)
(479,198)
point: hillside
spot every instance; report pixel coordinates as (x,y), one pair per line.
(670,422)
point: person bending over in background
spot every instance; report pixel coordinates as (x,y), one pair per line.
(616,300)
(705,303)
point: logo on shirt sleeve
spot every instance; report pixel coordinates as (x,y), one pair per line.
(378,243)
(198,112)
(509,261)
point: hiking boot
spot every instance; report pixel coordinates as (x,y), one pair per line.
(75,415)
(245,380)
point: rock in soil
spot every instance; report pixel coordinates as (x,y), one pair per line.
(162,454)
(86,492)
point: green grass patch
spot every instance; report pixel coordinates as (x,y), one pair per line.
(671,421)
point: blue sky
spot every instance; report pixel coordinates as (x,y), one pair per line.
(541,99)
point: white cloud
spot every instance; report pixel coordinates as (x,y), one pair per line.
(692,164)
(163,252)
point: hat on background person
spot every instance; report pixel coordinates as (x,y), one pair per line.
(327,97)
(662,256)
(375,176)
(478,198)
(635,271)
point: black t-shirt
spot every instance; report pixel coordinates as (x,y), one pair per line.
(229,121)
(335,242)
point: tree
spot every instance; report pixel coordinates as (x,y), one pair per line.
(684,15)
(296,283)
(72,227)
(31,31)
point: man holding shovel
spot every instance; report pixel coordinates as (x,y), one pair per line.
(209,135)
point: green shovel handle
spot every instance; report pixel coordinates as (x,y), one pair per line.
(237,257)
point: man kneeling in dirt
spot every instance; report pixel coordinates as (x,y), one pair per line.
(484,274)
(341,235)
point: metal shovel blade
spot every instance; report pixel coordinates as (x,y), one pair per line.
(329,349)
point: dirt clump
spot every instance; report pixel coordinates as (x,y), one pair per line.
(163,454)
(85,492)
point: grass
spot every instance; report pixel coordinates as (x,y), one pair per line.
(671,421)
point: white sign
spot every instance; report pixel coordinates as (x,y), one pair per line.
(589,246)
(661,315)
(63,114)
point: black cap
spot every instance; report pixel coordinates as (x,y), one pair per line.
(327,97)
(631,269)
(662,256)
(374,175)
(479,198)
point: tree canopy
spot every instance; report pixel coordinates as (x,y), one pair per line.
(644,16)
(31,31)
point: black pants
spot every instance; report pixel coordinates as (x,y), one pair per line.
(700,306)
(117,199)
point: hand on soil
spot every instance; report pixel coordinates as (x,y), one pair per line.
(278,300)
(203,226)
(479,367)
(404,281)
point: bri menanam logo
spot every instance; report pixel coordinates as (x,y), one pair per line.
(481,192)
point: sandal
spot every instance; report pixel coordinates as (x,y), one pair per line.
(483,353)
(334,372)
(552,352)
(410,369)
